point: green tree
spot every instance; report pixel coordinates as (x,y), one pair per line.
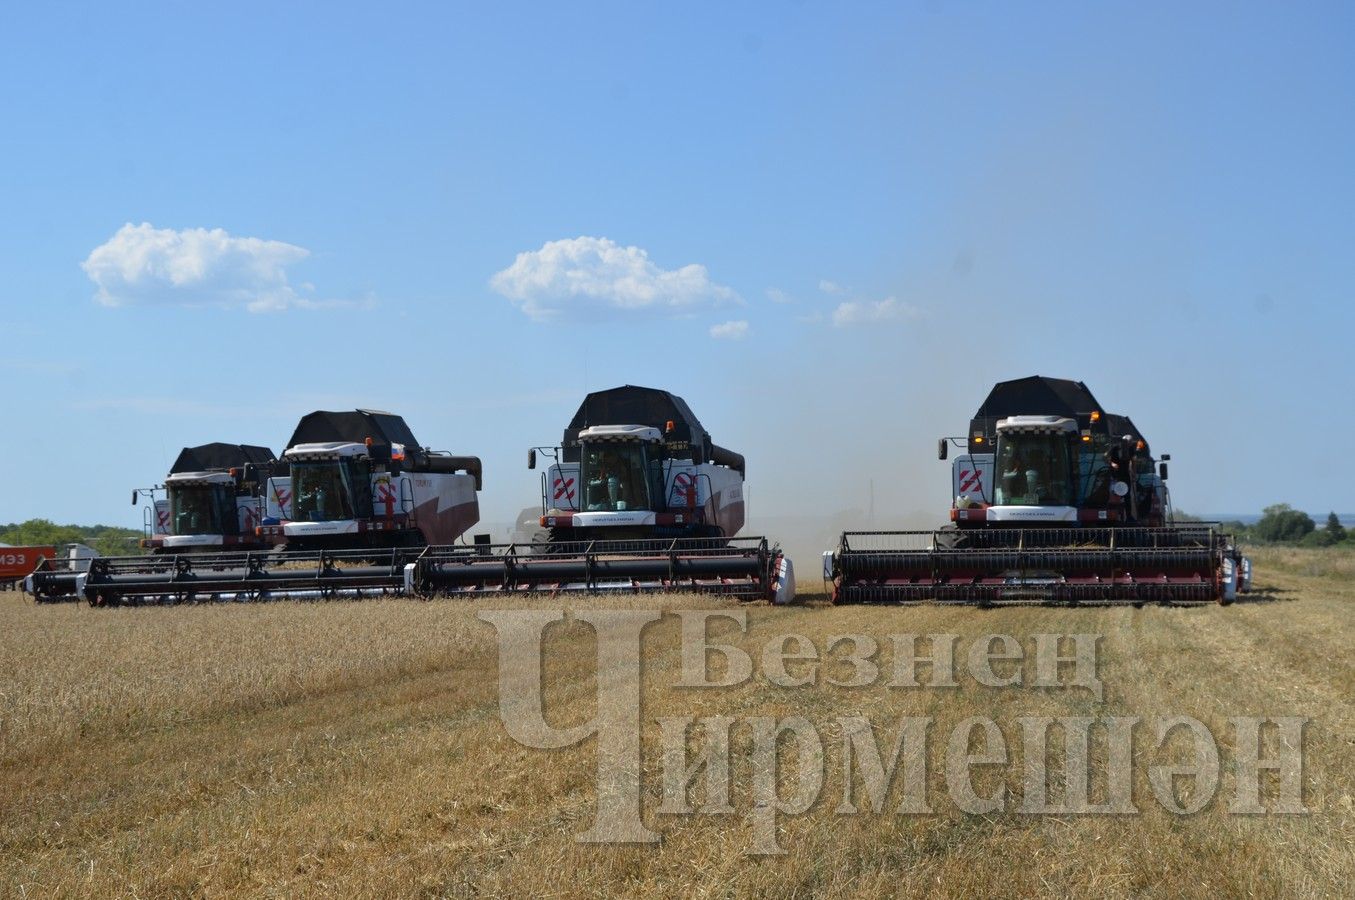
(108,540)
(1335,529)
(1281,522)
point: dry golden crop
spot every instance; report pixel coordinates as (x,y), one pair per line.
(356,749)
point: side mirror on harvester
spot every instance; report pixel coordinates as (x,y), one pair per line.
(134,496)
(1162,471)
(531,458)
(941,449)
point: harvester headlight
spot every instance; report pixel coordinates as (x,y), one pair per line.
(978,439)
(1096,415)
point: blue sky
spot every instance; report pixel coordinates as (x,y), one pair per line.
(471,215)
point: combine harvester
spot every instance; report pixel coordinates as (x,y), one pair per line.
(212,504)
(1055,501)
(213,501)
(359,501)
(359,480)
(637,498)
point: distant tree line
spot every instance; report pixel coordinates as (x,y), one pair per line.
(108,540)
(1282,524)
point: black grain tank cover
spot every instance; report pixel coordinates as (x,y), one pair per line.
(632,405)
(1042,396)
(355,426)
(1038,396)
(209,457)
(1033,396)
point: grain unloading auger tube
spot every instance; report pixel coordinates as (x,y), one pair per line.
(745,568)
(1196,563)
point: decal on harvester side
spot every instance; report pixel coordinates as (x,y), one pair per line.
(564,488)
(970,479)
(385,494)
(682,484)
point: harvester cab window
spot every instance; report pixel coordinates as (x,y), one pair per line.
(202,509)
(614,477)
(1033,470)
(330,490)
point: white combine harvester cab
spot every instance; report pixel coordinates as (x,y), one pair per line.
(1033,470)
(637,481)
(332,489)
(373,492)
(624,478)
(202,509)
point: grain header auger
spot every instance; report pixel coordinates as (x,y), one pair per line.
(245,577)
(636,498)
(1055,501)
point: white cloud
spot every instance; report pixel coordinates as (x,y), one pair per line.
(730,331)
(830,287)
(599,275)
(145,265)
(859,312)
(776,295)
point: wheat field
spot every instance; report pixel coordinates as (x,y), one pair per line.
(356,749)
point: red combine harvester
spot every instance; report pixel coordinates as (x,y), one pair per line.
(1055,501)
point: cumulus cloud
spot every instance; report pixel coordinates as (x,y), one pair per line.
(145,265)
(598,275)
(830,287)
(776,295)
(730,331)
(860,312)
